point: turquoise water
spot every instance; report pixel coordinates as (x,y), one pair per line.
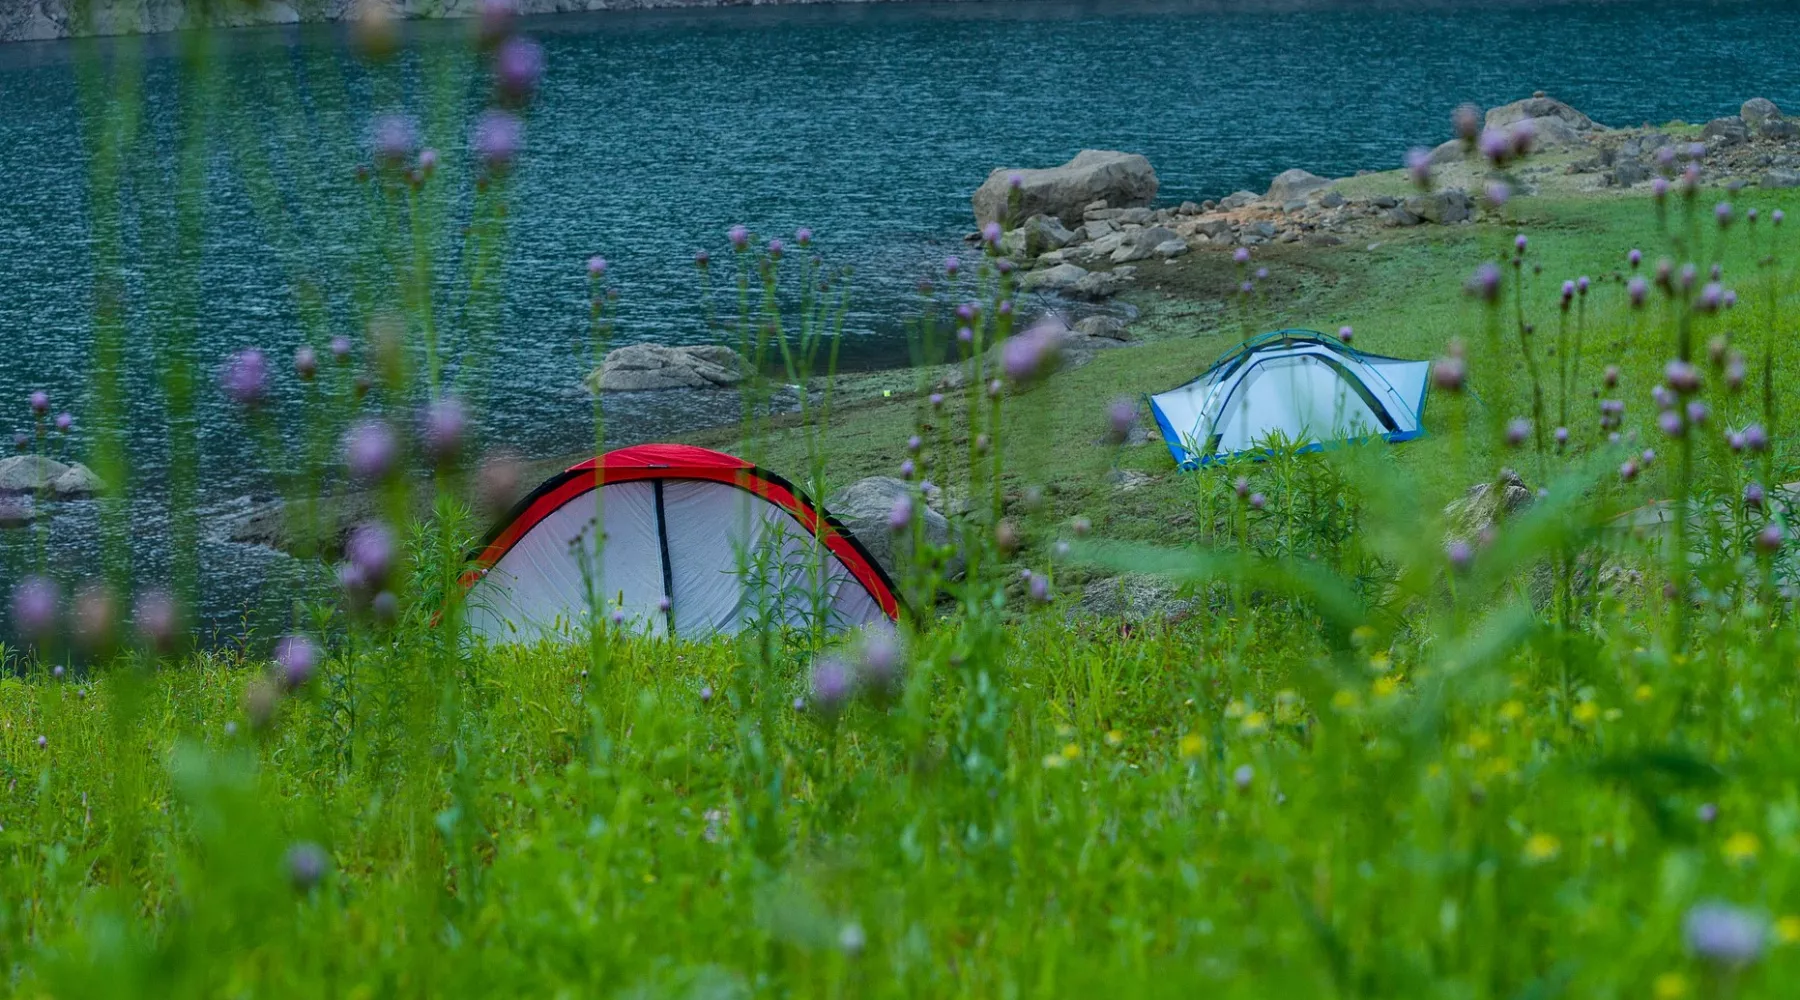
(871,124)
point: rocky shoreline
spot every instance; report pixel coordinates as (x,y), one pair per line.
(46,20)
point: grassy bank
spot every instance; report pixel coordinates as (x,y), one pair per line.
(1357,766)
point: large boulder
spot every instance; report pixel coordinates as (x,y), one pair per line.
(29,473)
(1119,179)
(1758,110)
(1538,108)
(866,506)
(1484,506)
(76,481)
(643,367)
(16,512)
(1291,185)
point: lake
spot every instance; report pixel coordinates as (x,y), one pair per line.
(871,124)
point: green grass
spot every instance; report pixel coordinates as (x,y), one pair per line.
(1348,773)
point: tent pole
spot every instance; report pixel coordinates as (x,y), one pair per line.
(662,540)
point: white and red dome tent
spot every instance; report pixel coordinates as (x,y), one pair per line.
(696,543)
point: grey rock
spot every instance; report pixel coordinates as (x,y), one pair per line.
(1758,110)
(1098,205)
(1779,128)
(1105,245)
(646,367)
(1143,244)
(1171,248)
(864,508)
(1122,179)
(1101,214)
(1384,201)
(1781,179)
(1331,199)
(1398,217)
(1060,278)
(1134,597)
(1294,184)
(1238,199)
(1294,205)
(1625,173)
(1485,506)
(1098,228)
(1644,145)
(1109,327)
(29,473)
(1214,229)
(1100,285)
(1448,152)
(1188,208)
(1136,216)
(1508,115)
(1441,207)
(1262,227)
(76,481)
(1725,132)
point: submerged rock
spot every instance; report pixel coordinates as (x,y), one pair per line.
(1119,179)
(645,367)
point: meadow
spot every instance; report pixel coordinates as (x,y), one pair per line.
(1381,752)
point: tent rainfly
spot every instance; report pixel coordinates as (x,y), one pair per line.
(696,543)
(1306,387)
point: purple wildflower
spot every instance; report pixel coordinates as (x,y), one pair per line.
(441,430)
(34,607)
(1671,424)
(518,67)
(1243,776)
(306,362)
(1466,119)
(936,400)
(1755,438)
(306,865)
(1015,180)
(1610,376)
(1769,539)
(1029,355)
(1753,495)
(497,140)
(1681,377)
(1562,435)
(991,233)
(156,618)
(803,237)
(246,377)
(777,248)
(1495,145)
(830,686)
(1258,501)
(296,657)
(370,450)
(371,551)
(739,237)
(1710,298)
(1628,470)
(1121,416)
(1723,934)
(393,139)
(1418,166)
(1636,289)
(1459,555)
(952,264)
(1449,374)
(1039,588)
(1241,255)
(1345,334)
(1634,258)
(907,469)
(1697,412)
(1496,193)
(340,349)
(64,421)
(1484,284)
(901,516)
(1517,430)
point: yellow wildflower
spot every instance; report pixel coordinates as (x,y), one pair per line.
(1114,738)
(1670,986)
(1191,745)
(1787,930)
(1644,693)
(1541,847)
(1071,751)
(1741,848)
(1065,730)
(1254,723)
(1344,701)
(1479,740)
(1235,709)
(1512,711)
(1052,761)
(1586,712)
(1386,686)
(1497,767)
(1380,662)
(1361,635)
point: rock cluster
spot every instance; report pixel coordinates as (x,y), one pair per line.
(865,507)
(35,474)
(1758,145)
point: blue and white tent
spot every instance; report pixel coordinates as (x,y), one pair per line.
(1305,387)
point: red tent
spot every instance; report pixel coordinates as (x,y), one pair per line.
(696,541)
